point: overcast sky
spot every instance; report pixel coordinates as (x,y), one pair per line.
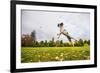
(45,24)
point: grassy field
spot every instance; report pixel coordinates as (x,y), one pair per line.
(45,54)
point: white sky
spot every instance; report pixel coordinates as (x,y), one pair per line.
(45,24)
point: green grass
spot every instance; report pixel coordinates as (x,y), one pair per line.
(45,54)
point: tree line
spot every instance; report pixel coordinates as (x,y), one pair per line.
(30,41)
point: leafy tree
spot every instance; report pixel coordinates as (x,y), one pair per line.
(57,43)
(68,44)
(42,43)
(33,34)
(36,44)
(81,43)
(46,43)
(26,40)
(61,43)
(87,42)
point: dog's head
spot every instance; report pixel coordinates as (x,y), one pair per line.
(61,24)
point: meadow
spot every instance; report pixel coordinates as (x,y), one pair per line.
(46,54)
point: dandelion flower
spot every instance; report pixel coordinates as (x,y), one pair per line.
(56,57)
(61,54)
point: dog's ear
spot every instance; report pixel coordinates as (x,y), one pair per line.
(58,25)
(62,24)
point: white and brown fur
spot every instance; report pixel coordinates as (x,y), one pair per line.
(65,33)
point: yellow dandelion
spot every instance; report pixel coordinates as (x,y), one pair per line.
(61,54)
(38,55)
(56,57)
